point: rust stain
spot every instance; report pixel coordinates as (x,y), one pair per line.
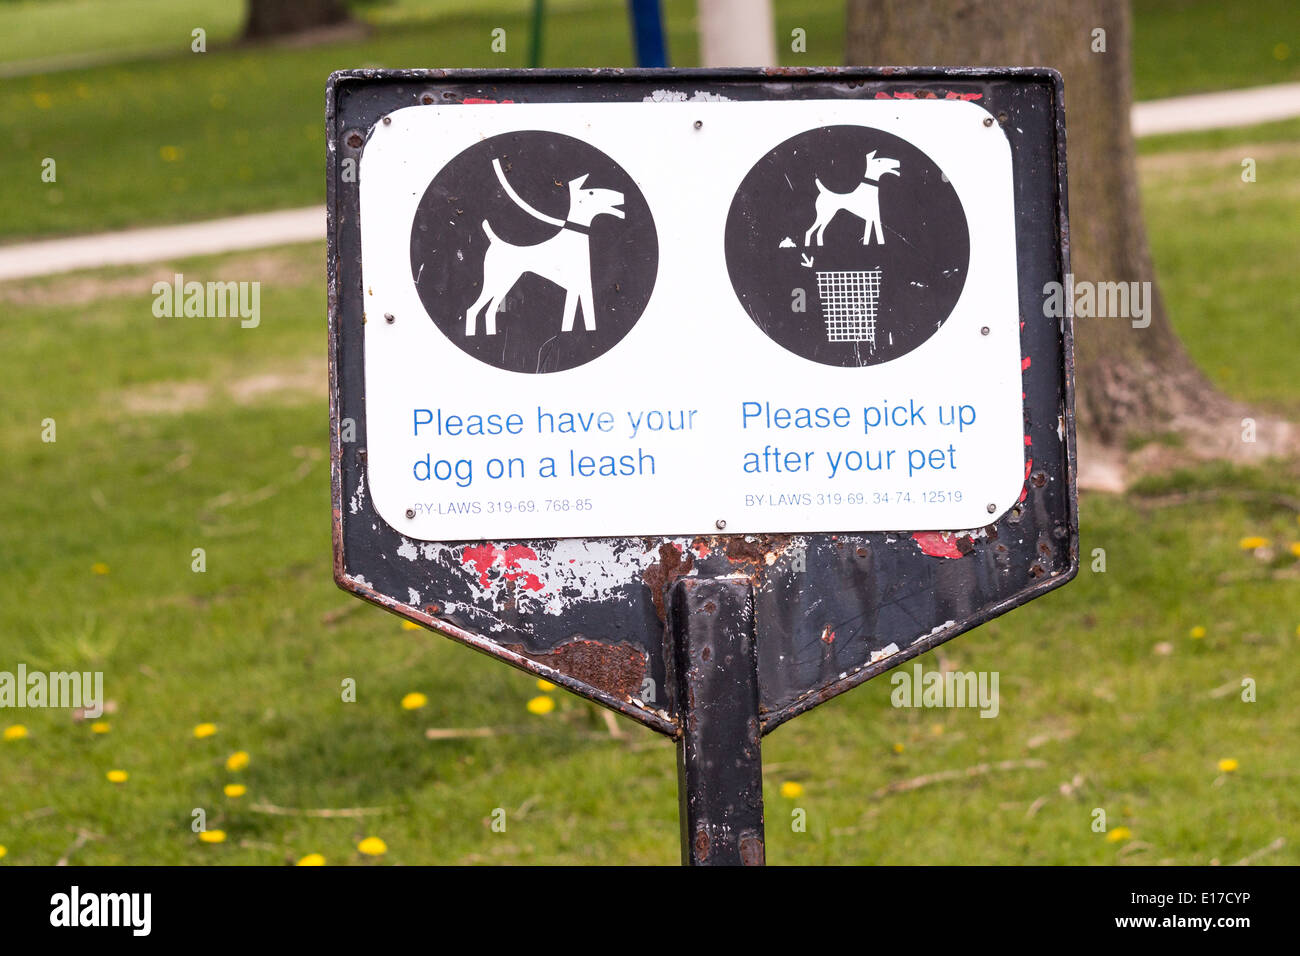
(701,843)
(659,577)
(618,669)
(751,849)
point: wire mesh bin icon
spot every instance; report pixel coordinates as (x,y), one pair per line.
(849,300)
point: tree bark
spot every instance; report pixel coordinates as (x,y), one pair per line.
(1130,382)
(275,18)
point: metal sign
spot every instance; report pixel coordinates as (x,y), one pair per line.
(629,365)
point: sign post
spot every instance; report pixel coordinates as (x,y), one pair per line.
(706,395)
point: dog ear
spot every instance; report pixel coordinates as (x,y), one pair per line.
(577,183)
(871,155)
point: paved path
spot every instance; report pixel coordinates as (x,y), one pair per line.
(1183,114)
(1176,115)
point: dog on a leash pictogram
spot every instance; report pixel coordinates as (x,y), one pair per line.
(564,259)
(519,234)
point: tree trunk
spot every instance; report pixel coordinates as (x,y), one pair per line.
(1131,382)
(275,18)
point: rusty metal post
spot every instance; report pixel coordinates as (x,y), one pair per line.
(719,759)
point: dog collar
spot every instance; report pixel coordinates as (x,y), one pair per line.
(577,227)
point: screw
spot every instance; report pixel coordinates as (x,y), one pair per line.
(699,124)
(426,99)
(410,512)
(388,317)
(984,331)
(988,121)
(720,524)
(387,120)
(992,507)
(355,140)
(1002,118)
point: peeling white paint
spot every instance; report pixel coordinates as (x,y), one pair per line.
(889,650)
(679,96)
(358,499)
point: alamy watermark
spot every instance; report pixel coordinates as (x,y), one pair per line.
(210,300)
(56,689)
(1101,300)
(922,688)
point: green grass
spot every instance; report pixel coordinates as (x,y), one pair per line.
(175,434)
(240,129)
(164,446)
(1225,252)
(1193,46)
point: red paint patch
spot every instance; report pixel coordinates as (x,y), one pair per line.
(482,557)
(478,101)
(1024,364)
(937,544)
(485,557)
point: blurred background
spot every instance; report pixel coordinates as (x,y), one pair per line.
(167,518)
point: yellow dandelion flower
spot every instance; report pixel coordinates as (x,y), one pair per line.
(414,701)
(42,101)
(410,626)
(1119,834)
(791,789)
(1252,542)
(169,154)
(1228,765)
(1281,51)
(1294,548)
(237,761)
(1197,632)
(373,846)
(15,732)
(236,790)
(545,685)
(937,730)
(99,567)
(898,748)
(117,776)
(3,851)
(541,705)
(205,730)
(212,836)
(100,727)
(311,859)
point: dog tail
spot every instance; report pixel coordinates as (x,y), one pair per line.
(820,187)
(492,236)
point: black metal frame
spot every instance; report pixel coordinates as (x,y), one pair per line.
(820,629)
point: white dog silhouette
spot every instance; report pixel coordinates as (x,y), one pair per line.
(564,259)
(863,202)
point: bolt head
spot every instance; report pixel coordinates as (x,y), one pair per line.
(410,512)
(388,317)
(984,331)
(992,507)
(699,124)
(720,524)
(988,121)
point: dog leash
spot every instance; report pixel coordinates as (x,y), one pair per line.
(518,200)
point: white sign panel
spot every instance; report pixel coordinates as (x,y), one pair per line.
(613,319)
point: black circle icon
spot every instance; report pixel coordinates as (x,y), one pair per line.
(847,245)
(534,252)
